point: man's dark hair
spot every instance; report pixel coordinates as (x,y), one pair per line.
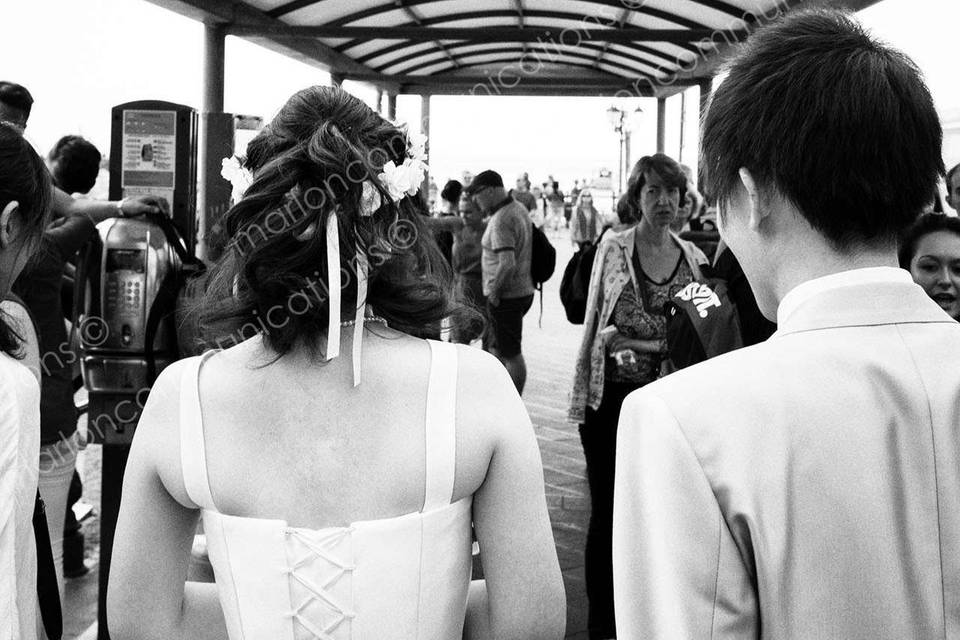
(926,224)
(77,164)
(664,166)
(451,191)
(831,119)
(16,96)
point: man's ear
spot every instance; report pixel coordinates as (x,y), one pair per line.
(755,199)
(8,224)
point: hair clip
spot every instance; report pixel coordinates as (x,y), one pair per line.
(370,200)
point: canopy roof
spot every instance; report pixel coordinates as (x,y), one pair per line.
(503,47)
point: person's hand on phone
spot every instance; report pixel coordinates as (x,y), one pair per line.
(143,205)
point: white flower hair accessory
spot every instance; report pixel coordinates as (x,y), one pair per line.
(233,172)
(405,180)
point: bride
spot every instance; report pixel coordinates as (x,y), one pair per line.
(335,506)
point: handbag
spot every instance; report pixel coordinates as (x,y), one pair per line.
(48,594)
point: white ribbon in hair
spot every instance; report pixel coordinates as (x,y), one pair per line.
(333,286)
(362,270)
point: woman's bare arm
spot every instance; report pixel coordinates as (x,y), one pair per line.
(523,593)
(148,596)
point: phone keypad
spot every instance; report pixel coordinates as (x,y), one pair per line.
(125,295)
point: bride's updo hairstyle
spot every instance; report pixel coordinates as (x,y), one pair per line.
(308,164)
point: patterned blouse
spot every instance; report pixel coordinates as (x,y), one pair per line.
(643,318)
(612,273)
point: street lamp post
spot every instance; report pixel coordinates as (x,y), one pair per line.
(623,122)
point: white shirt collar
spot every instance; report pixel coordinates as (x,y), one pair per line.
(812,288)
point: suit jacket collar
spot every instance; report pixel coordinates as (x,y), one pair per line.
(862,304)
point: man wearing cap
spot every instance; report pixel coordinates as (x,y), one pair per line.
(505,264)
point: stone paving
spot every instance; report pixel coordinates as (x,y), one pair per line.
(550,351)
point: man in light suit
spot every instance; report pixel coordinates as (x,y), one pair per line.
(807,487)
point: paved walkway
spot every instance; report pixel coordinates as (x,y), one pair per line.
(550,351)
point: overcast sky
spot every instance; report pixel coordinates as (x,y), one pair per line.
(80,57)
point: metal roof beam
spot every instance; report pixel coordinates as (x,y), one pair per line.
(488,34)
(289,7)
(605,85)
(517,61)
(520,19)
(231,13)
(654,55)
(725,42)
(604,80)
(651,66)
(606,45)
(416,19)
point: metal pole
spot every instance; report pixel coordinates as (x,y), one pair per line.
(391,106)
(379,100)
(627,167)
(209,180)
(425,129)
(683,122)
(620,168)
(661,124)
(214,48)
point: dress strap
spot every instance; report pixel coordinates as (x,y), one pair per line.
(441,426)
(193,457)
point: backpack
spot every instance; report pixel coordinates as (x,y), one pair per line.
(576,282)
(702,323)
(543,257)
(543,260)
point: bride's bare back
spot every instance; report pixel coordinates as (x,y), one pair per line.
(294,439)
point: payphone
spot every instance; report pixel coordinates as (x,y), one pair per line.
(127,333)
(126,289)
(153,150)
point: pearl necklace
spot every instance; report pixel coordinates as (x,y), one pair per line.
(366,319)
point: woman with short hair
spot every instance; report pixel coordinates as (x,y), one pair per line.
(624,344)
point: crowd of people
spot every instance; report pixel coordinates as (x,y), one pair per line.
(795,480)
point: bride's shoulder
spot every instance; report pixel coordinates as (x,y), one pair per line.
(487,395)
(476,363)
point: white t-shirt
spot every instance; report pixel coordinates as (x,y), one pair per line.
(19,470)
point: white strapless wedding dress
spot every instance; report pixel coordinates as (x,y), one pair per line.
(392,579)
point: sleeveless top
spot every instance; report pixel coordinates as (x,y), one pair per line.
(401,577)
